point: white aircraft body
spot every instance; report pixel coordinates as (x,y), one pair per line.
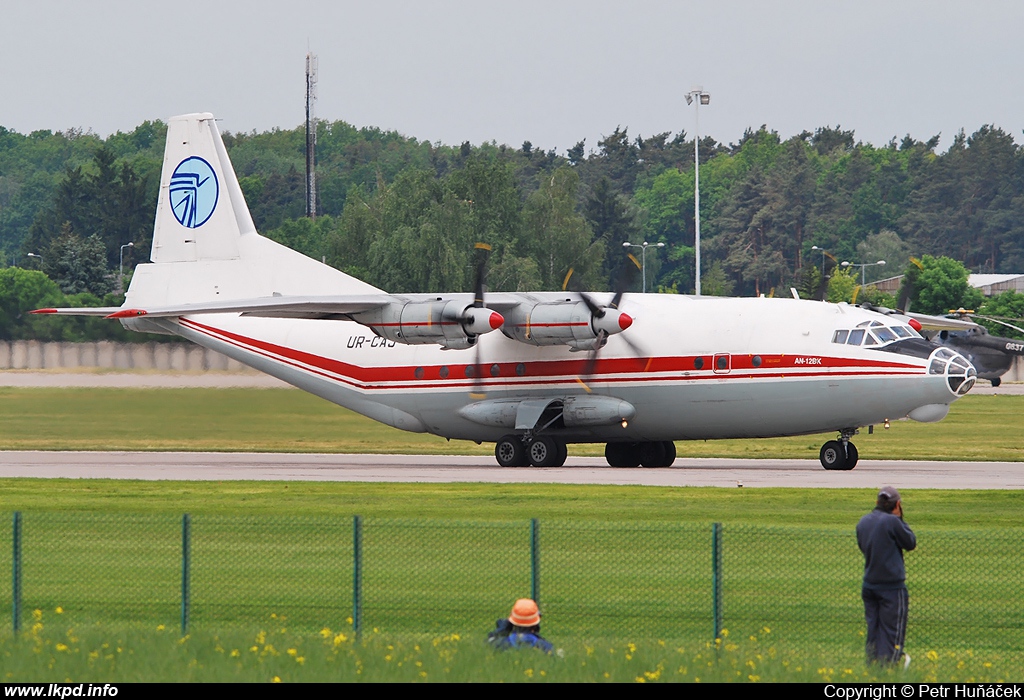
(530,372)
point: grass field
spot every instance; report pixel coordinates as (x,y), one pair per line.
(273,653)
(284,420)
(272,560)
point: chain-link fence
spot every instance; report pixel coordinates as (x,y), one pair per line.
(651,580)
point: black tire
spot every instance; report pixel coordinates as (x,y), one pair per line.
(851,457)
(622,454)
(832,455)
(510,452)
(996,382)
(670,453)
(563,453)
(543,452)
(652,454)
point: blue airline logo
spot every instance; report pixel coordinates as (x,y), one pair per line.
(194,192)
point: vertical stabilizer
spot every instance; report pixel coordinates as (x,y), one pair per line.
(200,212)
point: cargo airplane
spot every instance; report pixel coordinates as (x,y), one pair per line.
(531,372)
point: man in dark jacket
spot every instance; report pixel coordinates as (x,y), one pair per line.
(883,536)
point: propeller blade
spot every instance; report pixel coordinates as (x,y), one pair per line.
(477,392)
(483,251)
(1001,323)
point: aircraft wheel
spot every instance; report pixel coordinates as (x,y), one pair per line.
(543,452)
(851,457)
(831,455)
(563,453)
(510,452)
(622,454)
(670,453)
(996,382)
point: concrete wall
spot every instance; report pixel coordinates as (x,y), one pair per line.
(32,354)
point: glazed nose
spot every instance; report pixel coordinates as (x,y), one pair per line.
(960,373)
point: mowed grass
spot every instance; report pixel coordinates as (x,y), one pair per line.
(286,420)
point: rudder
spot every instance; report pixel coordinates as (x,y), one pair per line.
(201,212)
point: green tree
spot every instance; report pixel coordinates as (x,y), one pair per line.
(22,291)
(77,264)
(557,237)
(938,285)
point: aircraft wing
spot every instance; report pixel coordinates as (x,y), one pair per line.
(941,323)
(269,307)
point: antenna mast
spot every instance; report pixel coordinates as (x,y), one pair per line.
(311,69)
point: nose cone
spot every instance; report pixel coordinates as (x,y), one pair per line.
(496,320)
(960,373)
(625,321)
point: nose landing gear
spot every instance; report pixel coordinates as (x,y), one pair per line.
(841,454)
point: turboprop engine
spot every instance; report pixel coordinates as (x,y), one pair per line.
(563,323)
(450,324)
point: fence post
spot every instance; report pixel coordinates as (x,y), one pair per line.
(186,570)
(16,571)
(535,560)
(357,574)
(716,577)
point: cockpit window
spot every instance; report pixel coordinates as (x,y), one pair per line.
(864,324)
(885,335)
(840,337)
(856,337)
(870,339)
(900,331)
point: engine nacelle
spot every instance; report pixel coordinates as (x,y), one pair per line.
(450,324)
(562,323)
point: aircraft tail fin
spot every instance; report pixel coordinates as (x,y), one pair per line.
(205,245)
(201,212)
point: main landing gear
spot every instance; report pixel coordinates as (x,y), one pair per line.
(546,451)
(635,454)
(841,454)
(541,451)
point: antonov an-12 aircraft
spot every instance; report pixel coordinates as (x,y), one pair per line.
(530,372)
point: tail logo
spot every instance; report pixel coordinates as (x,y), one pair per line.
(194,192)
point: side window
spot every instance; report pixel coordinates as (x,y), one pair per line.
(840,337)
(856,337)
(870,339)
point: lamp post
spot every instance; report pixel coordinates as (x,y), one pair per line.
(823,276)
(643,257)
(862,267)
(38,257)
(702,98)
(120,264)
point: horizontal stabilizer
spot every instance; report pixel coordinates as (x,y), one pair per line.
(266,307)
(104,311)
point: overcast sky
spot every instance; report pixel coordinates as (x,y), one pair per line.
(551,72)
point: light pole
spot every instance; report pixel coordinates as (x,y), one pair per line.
(823,276)
(120,265)
(38,257)
(702,98)
(862,267)
(643,257)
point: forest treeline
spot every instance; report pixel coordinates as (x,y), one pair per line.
(403,214)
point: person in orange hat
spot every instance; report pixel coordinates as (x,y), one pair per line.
(520,629)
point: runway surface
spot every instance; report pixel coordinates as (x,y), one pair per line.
(727,473)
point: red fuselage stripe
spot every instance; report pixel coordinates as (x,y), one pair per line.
(550,371)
